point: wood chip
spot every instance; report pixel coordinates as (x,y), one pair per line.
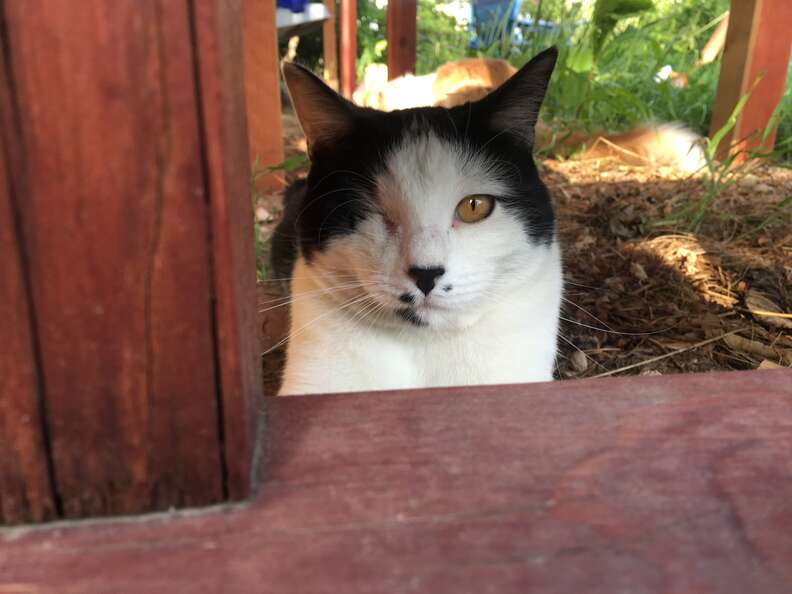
(751,347)
(763,308)
(638,271)
(579,361)
(768,364)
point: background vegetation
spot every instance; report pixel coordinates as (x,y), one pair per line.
(605,79)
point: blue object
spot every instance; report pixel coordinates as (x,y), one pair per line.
(293,5)
(491,20)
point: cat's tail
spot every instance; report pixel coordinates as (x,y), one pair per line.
(671,145)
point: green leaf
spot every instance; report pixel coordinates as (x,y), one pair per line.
(291,164)
(712,144)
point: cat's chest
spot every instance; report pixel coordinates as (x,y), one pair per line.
(467,358)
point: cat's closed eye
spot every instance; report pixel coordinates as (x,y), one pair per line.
(475,208)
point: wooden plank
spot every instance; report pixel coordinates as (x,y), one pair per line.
(262,90)
(650,485)
(114,225)
(402,24)
(758,43)
(330,46)
(26,493)
(348,31)
(218,28)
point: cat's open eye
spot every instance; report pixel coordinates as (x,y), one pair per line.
(474,208)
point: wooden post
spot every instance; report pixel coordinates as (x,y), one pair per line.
(348,26)
(219,30)
(262,89)
(26,492)
(125,170)
(758,42)
(330,46)
(401,37)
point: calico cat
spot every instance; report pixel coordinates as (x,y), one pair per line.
(421,248)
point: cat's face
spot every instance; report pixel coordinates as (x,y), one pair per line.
(425,217)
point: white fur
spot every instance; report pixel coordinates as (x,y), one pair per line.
(681,148)
(498,324)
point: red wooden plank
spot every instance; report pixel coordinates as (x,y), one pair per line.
(330,46)
(25,490)
(402,17)
(651,485)
(114,225)
(262,90)
(348,32)
(758,43)
(218,28)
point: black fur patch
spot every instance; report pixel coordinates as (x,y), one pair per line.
(409,315)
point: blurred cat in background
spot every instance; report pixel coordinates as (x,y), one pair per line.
(456,83)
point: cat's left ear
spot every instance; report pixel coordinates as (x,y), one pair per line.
(515,105)
(323,114)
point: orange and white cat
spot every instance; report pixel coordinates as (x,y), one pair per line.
(468,80)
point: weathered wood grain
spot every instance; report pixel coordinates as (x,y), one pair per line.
(219,28)
(758,44)
(401,37)
(347,26)
(114,224)
(645,485)
(25,491)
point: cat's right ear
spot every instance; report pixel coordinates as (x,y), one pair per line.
(323,114)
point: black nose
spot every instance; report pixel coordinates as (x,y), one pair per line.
(425,277)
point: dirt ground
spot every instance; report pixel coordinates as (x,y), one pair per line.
(641,297)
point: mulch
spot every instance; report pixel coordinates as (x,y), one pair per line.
(641,297)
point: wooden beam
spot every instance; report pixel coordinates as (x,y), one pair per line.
(758,43)
(652,485)
(348,27)
(26,492)
(402,24)
(330,45)
(219,33)
(262,90)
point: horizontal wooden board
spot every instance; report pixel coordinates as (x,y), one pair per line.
(649,485)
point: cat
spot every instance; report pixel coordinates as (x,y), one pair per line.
(470,79)
(421,248)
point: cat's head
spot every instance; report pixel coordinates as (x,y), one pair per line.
(428,216)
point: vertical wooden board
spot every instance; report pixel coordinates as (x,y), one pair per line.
(348,30)
(330,46)
(25,490)
(115,226)
(262,89)
(401,37)
(218,29)
(758,43)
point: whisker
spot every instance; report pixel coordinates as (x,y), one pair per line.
(302,328)
(584,310)
(570,343)
(611,331)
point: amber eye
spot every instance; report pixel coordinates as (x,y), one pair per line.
(474,208)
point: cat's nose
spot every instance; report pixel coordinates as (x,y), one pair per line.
(425,278)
